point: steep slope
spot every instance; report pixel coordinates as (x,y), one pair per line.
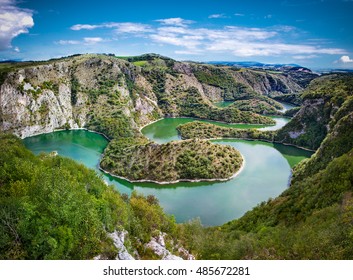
(106,93)
(72,93)
(54,208)
(116,97)
(313,218)
(322,100)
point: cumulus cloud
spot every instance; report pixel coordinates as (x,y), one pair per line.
(13,22)
(345,59)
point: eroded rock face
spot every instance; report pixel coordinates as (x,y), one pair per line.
(41,99)
(119,239)
(158,246)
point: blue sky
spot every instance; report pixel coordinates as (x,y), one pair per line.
(313,33)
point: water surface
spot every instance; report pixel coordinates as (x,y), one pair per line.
(266,173)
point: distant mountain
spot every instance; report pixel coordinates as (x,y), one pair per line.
(252,64)
(329,71)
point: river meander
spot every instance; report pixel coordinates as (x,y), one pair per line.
(266,173)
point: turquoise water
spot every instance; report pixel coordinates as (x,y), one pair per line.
(266,173)
(164,130)
(286,106)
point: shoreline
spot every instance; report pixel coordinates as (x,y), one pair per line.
(216,138)
(208,120)
(63,129)
(261,140)
(181,180)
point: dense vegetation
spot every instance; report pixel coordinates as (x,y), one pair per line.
(289,98)
(325,101)
(137,159)
(54,208)
(312,219)
(203,130)
(193,106)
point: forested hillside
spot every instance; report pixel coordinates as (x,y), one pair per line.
(54,208)
(313,219)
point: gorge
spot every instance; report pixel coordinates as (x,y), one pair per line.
(119,96)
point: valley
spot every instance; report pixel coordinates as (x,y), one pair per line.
(282,198)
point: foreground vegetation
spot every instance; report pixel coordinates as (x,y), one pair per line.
(54,208)
(174,161)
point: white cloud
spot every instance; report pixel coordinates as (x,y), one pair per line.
(217,16)
(120,27)
(173,29)
(304,57)
(185,41)
(175,21)
(239,15)
(129,27)
(193,52)
(77,27)
(92,40)
(68,42)
(13,22)
(84,41)
(345,59)
(253,48)
(237,40)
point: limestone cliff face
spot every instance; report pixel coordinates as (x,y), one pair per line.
(29,107)
(116,97)
(309,126)
(43,98)
(219,81)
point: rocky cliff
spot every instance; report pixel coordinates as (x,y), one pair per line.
(71,93)
(325,102)
(109,94)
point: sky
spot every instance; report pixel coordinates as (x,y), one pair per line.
(312,33)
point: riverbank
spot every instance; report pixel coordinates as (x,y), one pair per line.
(71,129)
(207,120)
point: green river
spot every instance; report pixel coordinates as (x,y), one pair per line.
(266,173)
